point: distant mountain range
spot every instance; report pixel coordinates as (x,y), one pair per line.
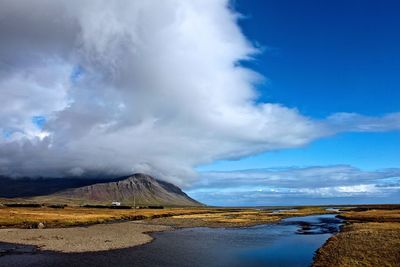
(139,189)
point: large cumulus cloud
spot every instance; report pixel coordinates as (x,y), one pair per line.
(125,86)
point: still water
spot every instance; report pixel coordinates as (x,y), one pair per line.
(292,242)
(289,243)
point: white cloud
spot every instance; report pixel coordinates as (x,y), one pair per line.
(361,188)
(37,90)
(131,86)
(359,123)
(325,183)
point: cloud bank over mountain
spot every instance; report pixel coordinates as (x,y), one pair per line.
(116,87)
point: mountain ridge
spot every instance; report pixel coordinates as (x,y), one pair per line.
(137,189)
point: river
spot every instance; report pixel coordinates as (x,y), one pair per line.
(292,242)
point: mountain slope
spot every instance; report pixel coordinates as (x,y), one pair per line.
(140,189)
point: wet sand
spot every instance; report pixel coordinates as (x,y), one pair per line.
(101,237)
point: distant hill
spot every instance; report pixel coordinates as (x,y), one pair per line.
(140,189)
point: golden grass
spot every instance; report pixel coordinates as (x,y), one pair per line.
(69,216)
(214,217)
(234,218)
(362,244)
(224,218)
(304,211)
(373,215)
(372,239)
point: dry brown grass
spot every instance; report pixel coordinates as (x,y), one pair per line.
(70,216)
(23,217)
(234,218)
(237,218)
(372,239)
(373,215)
(362,244)
(304,211)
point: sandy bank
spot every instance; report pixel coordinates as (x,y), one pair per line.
(99,237)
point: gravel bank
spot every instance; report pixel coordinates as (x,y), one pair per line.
(100,237)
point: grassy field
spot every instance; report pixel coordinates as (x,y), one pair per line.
(30,217)
(373,216)
(234,218)
(372,238)
(25,217)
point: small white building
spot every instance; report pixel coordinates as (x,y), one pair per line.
(115,203)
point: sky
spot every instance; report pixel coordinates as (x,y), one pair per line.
(349,64)
(238,102)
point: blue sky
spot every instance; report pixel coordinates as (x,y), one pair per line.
(323,57)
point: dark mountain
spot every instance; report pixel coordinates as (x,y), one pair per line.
(139,189)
